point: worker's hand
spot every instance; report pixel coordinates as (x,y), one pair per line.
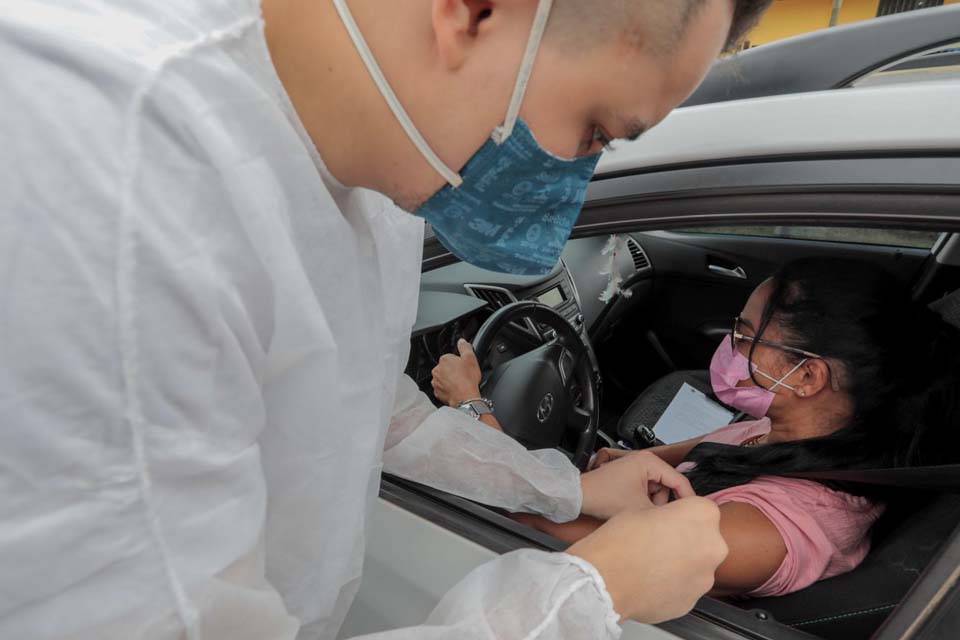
(656,563)
(638,479)
(457,378)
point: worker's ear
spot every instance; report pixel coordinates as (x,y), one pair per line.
(456,26)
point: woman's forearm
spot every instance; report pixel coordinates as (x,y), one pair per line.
(674,454)
(568,532)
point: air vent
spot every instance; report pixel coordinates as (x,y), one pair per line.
(640,260)
(495,297)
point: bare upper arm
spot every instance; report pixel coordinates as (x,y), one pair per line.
(756,549)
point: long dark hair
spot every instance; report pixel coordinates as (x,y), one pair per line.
(898,361)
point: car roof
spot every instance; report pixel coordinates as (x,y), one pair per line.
(916,118)
(828,58)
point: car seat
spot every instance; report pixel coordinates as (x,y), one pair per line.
(853,605)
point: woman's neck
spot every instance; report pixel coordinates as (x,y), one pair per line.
(815,422)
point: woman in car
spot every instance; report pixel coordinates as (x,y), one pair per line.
(842,370)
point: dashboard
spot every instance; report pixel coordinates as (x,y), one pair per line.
(456,299)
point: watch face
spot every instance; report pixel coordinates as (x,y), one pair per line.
(476,408)
(469,409)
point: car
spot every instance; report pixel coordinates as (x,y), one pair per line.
(706,206)
(869,52)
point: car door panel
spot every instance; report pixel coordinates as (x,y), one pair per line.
(411,563)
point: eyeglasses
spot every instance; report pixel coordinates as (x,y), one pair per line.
(736,337)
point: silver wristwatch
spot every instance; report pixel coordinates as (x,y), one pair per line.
(476,407)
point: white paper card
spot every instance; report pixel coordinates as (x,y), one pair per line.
(690,414)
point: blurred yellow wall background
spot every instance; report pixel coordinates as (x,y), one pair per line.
(792,17)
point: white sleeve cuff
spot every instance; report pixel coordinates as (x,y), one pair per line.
(455,453)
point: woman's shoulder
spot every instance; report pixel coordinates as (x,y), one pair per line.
(826,532)
(738,432)
(831,507)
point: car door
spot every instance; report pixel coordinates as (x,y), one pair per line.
(839,165)
(423,541)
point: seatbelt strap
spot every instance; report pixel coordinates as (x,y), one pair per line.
(937,478)
(944,478)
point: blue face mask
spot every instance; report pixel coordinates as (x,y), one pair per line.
(514,206)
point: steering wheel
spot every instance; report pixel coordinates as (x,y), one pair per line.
(534,395)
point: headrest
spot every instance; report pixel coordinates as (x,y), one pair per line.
(949,307)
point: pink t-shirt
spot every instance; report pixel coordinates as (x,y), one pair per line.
(826,532)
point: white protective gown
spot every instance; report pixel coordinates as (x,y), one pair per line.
(202,339)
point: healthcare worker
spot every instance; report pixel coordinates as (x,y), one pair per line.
(208,297)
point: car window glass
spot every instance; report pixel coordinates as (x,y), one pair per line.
(884,237)
(937,64)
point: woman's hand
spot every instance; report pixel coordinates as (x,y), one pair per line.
(457,378)
(606,455)
(637,479)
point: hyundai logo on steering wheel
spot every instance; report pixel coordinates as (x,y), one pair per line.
(545,408)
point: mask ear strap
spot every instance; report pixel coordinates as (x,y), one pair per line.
(781,383)
(452,177)
(504,131)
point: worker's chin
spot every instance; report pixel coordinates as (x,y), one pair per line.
(409,202)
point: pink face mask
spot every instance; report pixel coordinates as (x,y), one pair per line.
(729,367)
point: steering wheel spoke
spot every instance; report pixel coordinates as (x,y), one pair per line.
(536,394)
(568,363)
(579,419)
